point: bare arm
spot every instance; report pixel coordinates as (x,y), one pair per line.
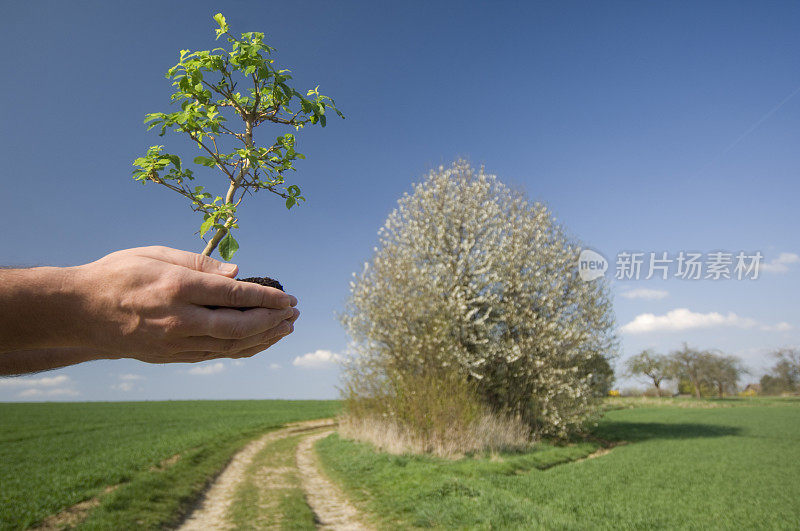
(34,307)
(28,361)
(147,303)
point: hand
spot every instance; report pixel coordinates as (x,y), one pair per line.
(149,303)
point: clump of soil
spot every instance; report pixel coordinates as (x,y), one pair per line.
(264,281)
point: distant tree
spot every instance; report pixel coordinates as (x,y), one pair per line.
(648,363)
(722,372)
(685,386)
(785,375)
(770,385)
(690,364)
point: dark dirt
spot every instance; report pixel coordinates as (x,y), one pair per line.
(264,281)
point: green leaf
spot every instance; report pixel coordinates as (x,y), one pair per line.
(290,202)
(206,226)
(176,160)
(228,247)
(286,90)
(205,161)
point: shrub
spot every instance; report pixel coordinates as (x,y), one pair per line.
(436,412)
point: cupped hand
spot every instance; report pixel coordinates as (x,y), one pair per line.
(149,303)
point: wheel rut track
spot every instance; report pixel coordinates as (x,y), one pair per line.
(330,506)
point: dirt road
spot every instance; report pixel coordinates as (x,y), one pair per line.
(330,506)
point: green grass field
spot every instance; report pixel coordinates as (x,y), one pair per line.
(55,455)
(687,464)
(684,467)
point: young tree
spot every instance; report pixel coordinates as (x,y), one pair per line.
(206,86)
(471,276)
(648,363)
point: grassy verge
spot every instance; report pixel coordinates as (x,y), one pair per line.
(53,456)
(699,468)
(422,491)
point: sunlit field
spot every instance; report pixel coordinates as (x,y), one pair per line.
(159,455)
(686,464)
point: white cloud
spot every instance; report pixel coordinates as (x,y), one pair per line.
(644,293)
(131,377)
(124,387)
(783,326)
(238,363)
(46,386)
(317,359)
(780,264)
(46,381)
(275,366)
(214,368)
(684,319)
(28,393)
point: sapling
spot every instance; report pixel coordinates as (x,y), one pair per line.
(204,103)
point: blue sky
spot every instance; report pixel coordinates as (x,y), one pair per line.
(645,127)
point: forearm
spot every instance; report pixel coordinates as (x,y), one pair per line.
(28,361)
(37,306)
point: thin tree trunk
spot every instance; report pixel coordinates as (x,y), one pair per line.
(214,241)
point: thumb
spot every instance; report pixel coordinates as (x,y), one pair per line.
(198,262)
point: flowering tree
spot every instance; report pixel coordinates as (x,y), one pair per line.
(471,276)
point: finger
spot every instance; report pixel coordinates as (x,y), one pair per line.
(227,323)
(247,353)
(255,350)
(214,290)
(180,357)
(205,356)
(195,261)
(232,346)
